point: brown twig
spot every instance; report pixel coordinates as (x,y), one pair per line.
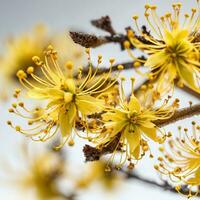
(104,23)
(164,185)
(179,115)
(89,40)
(190,91)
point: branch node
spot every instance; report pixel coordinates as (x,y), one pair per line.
(104,23)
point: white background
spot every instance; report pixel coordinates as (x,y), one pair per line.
(17,16)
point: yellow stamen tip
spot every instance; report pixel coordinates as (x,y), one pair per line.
(50,47)
(135,17)
(153,7)
(112,60)
(136,64)
(156,167)
(69,65)
(87,50)
(71,142)
(30,70)
(127,44)
(120,67)
(21,74)
(123,78)
(18,128)
(130,33)
(147,6)
(35,59)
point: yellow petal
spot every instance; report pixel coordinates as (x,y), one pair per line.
(38,93)
(54,102)
(65,125)
(72,113)
(196,179)
(133,139)
(55,93)
(187,75)
(136,153)
(150,133)
(157,59)
(181,34)
(114,116)
(71,85)
(147,124)
(168,38)
(89,105)
(134,104)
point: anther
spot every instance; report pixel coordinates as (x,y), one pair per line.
(14,105)
(30,70)
(120,67)
(87,50)
(112,60)
(71,142)
(135,17)
(21,74)
(18,128)
(35,59)
(69,65)
(21,104)
(156,167)
(10,110)
(136,64)
(9,123)
(127,44)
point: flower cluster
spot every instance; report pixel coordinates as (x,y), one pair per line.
(91,103)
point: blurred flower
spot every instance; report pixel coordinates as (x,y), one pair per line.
(38,172)
(21,49)
(95,173)
(67,100)
(130,123)
(181,160)
(173,54)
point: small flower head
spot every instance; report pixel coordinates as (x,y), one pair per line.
(172,48)
(38,172)
(129,126)
(21,49)
(181,159)
(96,172)
(68,100)
(43,175)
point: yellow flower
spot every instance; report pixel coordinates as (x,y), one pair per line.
(67,101)
(130,124)
(95,172)
(172,48)
(21,49)
(42,176)
(181,160)
(38,173)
